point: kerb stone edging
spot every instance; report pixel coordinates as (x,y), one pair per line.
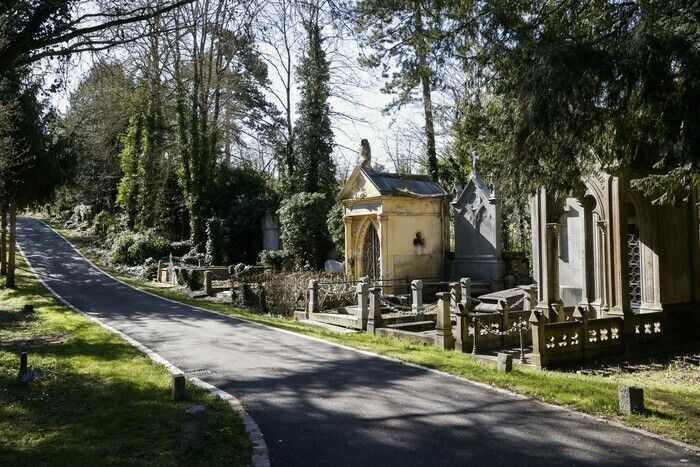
(690,449)
(260,457)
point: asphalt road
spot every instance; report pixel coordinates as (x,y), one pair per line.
(319,404)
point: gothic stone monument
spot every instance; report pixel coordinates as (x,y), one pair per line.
(608,250)
(395,224)
(477,232)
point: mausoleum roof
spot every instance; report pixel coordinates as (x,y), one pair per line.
(396,184)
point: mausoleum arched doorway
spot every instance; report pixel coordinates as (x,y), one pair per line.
(371,253)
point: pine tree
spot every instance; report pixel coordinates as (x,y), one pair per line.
(313,136)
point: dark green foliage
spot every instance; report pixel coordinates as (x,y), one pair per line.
(572,87)
(304,231)
(134,248)
(104,224)
(314,171)
(336,228)
(280,260)
(128,188)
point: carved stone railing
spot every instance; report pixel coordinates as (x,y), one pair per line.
(582,338)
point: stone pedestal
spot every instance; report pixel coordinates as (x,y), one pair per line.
(192,438)
(177,387)
(504,363)
(443,327)
(631,399)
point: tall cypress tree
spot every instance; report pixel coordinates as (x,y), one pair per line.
(313,136)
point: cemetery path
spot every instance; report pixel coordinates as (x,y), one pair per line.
(320,404)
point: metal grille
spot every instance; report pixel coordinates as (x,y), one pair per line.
(370,254)
(635,266)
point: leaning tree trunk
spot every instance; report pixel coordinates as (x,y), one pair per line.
(429,127)
(10,278)
(3,238)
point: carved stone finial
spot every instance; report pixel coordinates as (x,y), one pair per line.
(365,153)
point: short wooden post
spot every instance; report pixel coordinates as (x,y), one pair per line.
(443,327)
(362,290)
(539,350)
(207,283)
(313,297)
(192,438)
(417,296)
(177,387)
(374,319)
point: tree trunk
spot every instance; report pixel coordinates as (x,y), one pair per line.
(3,238)
(10,279)
(429,126)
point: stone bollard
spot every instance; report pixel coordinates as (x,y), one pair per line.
(159,271)
(466,284)
(207,283)
(362,290)
(177,387)
(538,322)
(22,365)
(462,337)
(374,319)
(417,296)
(443,327)
(313,297)
(28,308)
(192,438)
(631,399)
(504,363)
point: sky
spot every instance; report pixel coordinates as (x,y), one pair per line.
(357,115)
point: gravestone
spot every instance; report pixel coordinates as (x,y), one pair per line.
(477,231)
(192,438)
(504,363)
(631,399)
(271,233)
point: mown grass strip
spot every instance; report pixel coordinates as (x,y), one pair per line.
(99,400)
(674,407)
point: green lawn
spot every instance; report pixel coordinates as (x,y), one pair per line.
(672,395)
(99,400)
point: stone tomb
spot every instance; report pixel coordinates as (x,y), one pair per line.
(395,226)
(477,232)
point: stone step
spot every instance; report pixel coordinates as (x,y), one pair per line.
(417,326)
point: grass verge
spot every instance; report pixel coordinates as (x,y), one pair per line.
(99,400)
(672,395)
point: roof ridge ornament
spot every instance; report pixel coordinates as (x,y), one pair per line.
(365,153)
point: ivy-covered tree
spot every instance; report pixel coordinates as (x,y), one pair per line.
(128,188)
(304,231)
(313,136)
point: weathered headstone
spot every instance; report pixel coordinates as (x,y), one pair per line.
(504,363)
(631,399)
(177,387)
(192,438)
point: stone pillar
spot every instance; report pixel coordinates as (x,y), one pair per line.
(207,283)
(417,296)
(443,327)
(374,319)
(587,284)
(604,269)
(386,267)
(539,350)
(462,329)
(466,284)
(349,252)
(178,387)
(530,292)
(313,297)
(362,304)
(160,270)
(618,248)
(550,303)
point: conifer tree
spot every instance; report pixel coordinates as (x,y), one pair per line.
(128,189)
(313,136)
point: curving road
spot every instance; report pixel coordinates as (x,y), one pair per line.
(319,404)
